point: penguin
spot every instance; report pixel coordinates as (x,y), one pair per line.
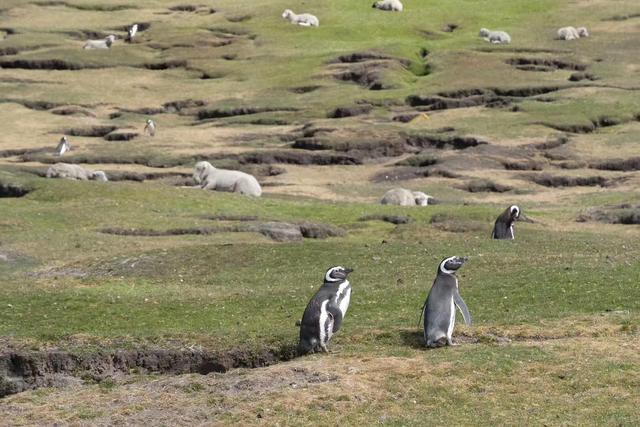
(439,309)
(503,228)
(325,312)
(131,33)
(150,127)
(63,146)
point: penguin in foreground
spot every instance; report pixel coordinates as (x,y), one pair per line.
(503,228)
(63,146)
(439,309)
(325,312)
(150,127)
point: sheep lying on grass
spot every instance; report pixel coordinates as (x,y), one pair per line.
(100,44)
(404,197)
(211,178)
(571,33)
(304,19)
(69,171)
(498,37)
(391,5)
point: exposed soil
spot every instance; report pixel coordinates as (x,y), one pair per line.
(524,165)
(298,157)
(366,68)
(166,65)
(121,136)
(540,64)
(87,7)
(240,111)
(626,214)
(577,77)
(569,181)
(483,185)
(393,219)
(419,161)
(356,110)
(93,131)
(630,164)
(239,18)
(450,28)
(442,141)
(553,143)
(13,190)
(623,17)
(305,89)
(453,224)
(72,111)
(46,64)
(21,371)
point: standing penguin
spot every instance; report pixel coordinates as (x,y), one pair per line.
(503,228)
(131,33)
(150,127)
(63,146)
(325,312)
(440,307)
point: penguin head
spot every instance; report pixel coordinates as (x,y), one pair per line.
(63,139)
(514,212)
(337,274)
(451,265)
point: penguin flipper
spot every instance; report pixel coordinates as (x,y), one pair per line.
(336,317)
(462,307)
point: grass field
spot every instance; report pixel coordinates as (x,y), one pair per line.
(143,264)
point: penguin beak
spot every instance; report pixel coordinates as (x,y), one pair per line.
(525,218)
(348,270)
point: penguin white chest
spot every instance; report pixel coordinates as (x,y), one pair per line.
(452,319)
(343,297)
(325,323)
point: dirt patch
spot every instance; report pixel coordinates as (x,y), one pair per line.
(72,111)
(442,141)
(570,181)
(484,185)
(23,151)
(46,64)
(305,89)
(595,124)
(623,17)
(121,136)
(312,230)
(578,77)
(524,165)
(13,190)
(239,111)
(92,132)
(183,8)
(356,110)
(231,217)
(239,18)
(185,104)
(454,224)
(630,164)
(366,68)
(544,65)
(626,214)
(166,65)
(298,158)
(87,7)
(393,219)
(450,28)
(118,175)
(21,371)
(552,143)
(419,161)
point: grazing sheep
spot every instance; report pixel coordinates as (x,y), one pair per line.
(582,32)
(568,33)
(390,5)
(403,197)
(69,171)
(63,146)
(150,127)
(100,44)
(304,19)
(496,37)
(211,178)
(131,33)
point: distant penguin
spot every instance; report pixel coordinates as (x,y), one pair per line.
(63,146)
(440,307)
(131,33)
(325,312)
(503,228)
(150,127)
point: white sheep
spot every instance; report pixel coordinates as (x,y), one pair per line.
(496,37)
(211,178)
(404,197)
(582,32)
(69,171)
(391,5)
(100,44)
(304,19)
(568,33)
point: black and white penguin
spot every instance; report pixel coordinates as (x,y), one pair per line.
(150,127)
(63,146)
(325,312)
(503,228)
(440,307)
(131,33)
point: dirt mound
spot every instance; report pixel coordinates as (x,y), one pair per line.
(121,136)
(305,89)
(218,113)
(454,224)
(544,65)
(93,131)
(569,181)
(484,185)
(298,158)
(616,214)
(13,190)
(356,110)
(21,371)
(630,164)
(165,65)
(46,64)
(424,140)
(393,219)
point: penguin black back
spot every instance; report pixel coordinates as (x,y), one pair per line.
(325,311)
(503,227)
